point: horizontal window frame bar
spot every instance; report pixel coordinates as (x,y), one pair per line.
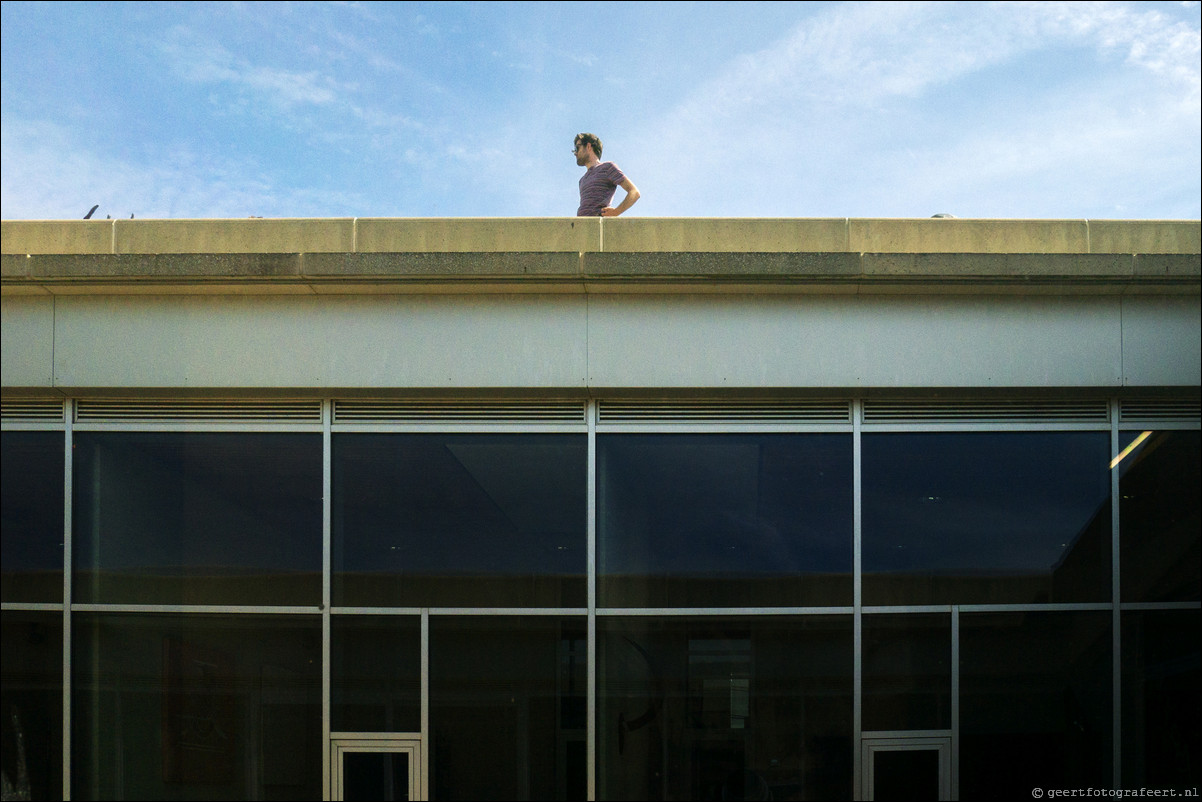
(199,609)
(725,612)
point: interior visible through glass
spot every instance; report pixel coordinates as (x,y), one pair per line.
(174,706)
(724,708)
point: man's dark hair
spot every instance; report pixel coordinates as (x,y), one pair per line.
(590,139)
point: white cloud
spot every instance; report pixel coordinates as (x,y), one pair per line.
(826,117)
(50,175)
(206,62)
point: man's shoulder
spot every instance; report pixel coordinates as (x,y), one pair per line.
(611,169)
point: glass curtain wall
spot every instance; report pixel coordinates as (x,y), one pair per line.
(726,610)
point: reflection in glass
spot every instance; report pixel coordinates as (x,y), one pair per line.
(173,706)
(197,518)
(1035,702)
(724,708)
(31,501)
(1162,694)
(1159,520)
(375,673)
(960,518)
(724,520)
(31,704)
(460,520)
(907,675)
(507,707)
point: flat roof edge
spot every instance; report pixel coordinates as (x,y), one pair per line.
(598,235)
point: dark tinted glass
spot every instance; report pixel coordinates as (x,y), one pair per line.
(375,673)
(31,503)
(724,520)
(1021,517)
(380,776)
(460,520)
(1162,694)
(197,518)
(196,707)
(507,708)
(1035,702)
(907,675)
(729,708)
(1159,522)
(905,774)
(31,700)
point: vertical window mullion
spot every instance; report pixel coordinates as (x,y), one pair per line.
(857,600)
(1116,599)
(591,646)
(68,434)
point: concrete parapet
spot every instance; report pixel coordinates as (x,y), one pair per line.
(593,235)
(796,266)
(497,234)
(435,265)
(253,235)
(1145,236)
(716,235)
(56,236)
(1017,266)
(954,235)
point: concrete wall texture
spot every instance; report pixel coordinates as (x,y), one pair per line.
(566,305)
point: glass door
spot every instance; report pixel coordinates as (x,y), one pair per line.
(376,766)
(909,766)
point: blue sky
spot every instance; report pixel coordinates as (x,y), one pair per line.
(204,110)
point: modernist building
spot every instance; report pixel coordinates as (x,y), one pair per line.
(613,509)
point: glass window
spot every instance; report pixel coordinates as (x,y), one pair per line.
(196,707)
(1159,518)
(1035,702)
(375,673)
(1162,694)
(31,704)
(197,518)
(992,517)
(724,708)
(460,520)
(31,502)
(724,520)
(507,708)
(907,675)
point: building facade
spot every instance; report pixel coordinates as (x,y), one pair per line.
(604,509)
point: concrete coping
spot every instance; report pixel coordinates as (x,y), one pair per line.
(632,235)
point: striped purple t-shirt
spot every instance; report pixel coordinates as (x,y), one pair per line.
(597,187)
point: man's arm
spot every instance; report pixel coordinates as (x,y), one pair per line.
(632,195)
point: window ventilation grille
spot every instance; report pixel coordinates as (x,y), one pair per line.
(724,412)
(100,410)
(459,412)
(953,411)
(31,409)
(1182,410)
